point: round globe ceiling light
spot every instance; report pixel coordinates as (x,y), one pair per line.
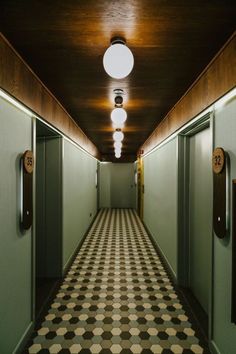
(117,150)
(118,136)
(118,117)
(118,155)
(117,144)
(118,60)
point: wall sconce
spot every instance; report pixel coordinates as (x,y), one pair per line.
(118,60)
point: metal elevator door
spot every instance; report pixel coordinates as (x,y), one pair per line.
(200,216)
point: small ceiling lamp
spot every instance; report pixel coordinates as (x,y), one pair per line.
(117,144)
(117,150)
(118,97)
(118,155)
(118,60)
(118,117)
(118,135)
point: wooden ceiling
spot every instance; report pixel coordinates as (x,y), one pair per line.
(64,42)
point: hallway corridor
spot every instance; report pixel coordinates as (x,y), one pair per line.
(116,298)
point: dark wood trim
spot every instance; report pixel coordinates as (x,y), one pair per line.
(217,79)
(18,79)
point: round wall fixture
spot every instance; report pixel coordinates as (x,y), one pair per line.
(118,60)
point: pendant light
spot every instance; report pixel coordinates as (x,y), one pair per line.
(118,117)
(118,155)
(118,135)
(118,60)
(117,144)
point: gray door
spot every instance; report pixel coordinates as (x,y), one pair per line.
(122,181)
(200,215)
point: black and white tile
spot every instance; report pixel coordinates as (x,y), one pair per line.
(116,298)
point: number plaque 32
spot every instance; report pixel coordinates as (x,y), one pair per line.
(219,167)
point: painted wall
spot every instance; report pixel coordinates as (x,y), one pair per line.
(117,185)
(224,333)
(79,197)
(160,199)
(105,185)
(135,187)
(49,207)
(15,246)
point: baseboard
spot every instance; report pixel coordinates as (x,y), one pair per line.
(162,256)
(171,274)
(24,339)
(201,318)
(213,347)
(78,247)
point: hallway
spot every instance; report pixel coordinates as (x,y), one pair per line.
(117,297)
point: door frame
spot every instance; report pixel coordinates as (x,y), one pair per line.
(140,187)
(183,256)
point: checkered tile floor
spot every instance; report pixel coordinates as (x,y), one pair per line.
(116,298)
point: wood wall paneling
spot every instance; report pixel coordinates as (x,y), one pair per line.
(19,81)
(217,79)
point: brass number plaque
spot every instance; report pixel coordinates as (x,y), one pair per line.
(28,161)
(218,160)
(27,189)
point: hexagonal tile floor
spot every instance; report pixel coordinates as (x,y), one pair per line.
(116,298)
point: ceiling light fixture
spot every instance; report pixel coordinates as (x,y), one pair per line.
(117,144)
(118,135)
(117,149)
(118,60)
(118,117)
(118,155)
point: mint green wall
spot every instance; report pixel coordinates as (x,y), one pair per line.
(116,185)
(122,184)
(15,246)
(224,333)
(48,207)
(160,199)
(135,188)
(105,185)
(200,215)
(79,196)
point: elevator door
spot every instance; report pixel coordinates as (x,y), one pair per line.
(200,215)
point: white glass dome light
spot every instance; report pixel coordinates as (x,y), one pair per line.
(117,144)
(117,150)
(118,136)
(118,60)
(118,117)
(118,155)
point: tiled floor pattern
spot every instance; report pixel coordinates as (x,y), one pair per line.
(116,298)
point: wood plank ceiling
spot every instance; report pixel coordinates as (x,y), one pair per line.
(64,42)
